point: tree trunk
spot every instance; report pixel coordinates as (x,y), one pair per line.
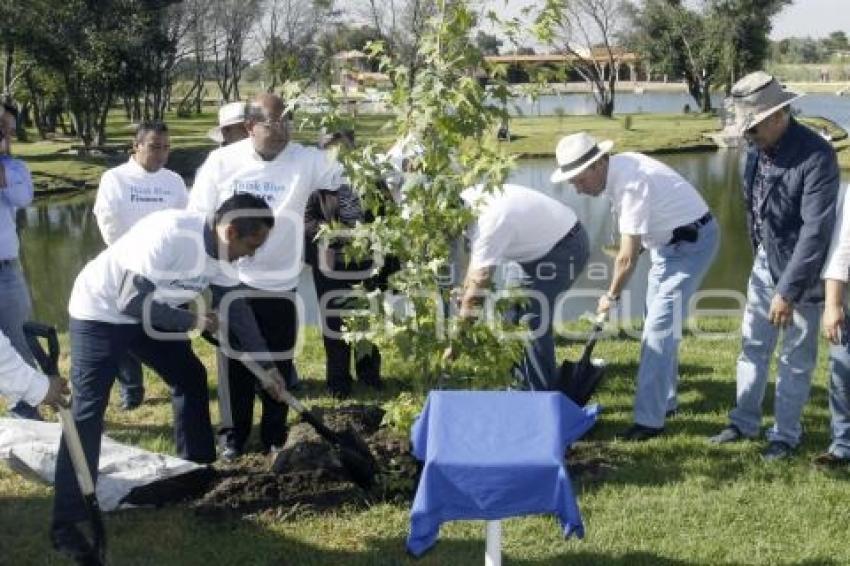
(100,132)
(706,97)
(8,69)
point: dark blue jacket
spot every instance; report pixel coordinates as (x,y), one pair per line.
(798,211)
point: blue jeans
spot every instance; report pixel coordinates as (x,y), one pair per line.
(15,309)
(839,396)
(551,275)
(675,274)
(797,358)
(96,350)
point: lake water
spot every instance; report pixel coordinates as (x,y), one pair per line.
(58,237)
(836,108)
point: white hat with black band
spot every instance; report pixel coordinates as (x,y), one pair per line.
(575,153)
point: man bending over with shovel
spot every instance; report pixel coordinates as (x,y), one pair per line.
(544,236)
(129,299)
(658,210)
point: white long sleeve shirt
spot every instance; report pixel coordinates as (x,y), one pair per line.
(285,182)
(128,193)
(18,381)
(837,263)
(16,194)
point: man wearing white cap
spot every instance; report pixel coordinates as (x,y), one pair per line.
(790,186)
(658,210)
(231,124)
(127,194)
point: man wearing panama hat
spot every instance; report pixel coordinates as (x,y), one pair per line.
(790,186)
(658,210)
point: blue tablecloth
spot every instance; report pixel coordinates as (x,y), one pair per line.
(492,455)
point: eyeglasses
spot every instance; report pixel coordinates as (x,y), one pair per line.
(279,123)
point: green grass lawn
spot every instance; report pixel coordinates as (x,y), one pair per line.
(673,500)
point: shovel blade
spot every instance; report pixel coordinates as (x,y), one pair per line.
(579,381)
(357,459)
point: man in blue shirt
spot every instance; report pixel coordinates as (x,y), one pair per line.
(15,192)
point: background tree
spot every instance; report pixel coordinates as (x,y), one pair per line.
(231,24)
(400,25)
(290,37)
(709,44)
(487,44)
(588,31)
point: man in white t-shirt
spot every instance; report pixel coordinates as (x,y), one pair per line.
(660,211)
(283,173)
(544,236)
(129,299)
(127,194)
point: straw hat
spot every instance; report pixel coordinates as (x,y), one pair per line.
(228,115)
(757,96)
(575,153)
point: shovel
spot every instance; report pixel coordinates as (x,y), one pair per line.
(579,380)
(354,454)
(48,361)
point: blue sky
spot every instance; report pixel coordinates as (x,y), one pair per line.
(814,18)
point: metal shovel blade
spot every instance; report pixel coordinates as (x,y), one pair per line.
(354,454)
(579,380)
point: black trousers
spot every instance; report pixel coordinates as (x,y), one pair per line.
(277,319)
(96,350)
(338,351)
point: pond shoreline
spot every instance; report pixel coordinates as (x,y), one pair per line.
(533,137)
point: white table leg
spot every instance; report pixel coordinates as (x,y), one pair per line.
(493,548)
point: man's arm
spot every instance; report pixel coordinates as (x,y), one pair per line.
(818,213)
(474,285)
(135,293)
(243,327)
(20,382)
(240,321)
(624,266)
(106,210)
(204,194)
(16,183)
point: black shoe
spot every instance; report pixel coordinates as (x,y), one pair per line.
(828,460)
(639,433)
(777,450)
(670,413)
(23,410)
(729,434)
(67,539)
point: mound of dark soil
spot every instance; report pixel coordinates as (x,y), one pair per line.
(310,476)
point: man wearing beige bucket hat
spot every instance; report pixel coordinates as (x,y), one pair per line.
(658,210)
(790,186)
(231,124)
